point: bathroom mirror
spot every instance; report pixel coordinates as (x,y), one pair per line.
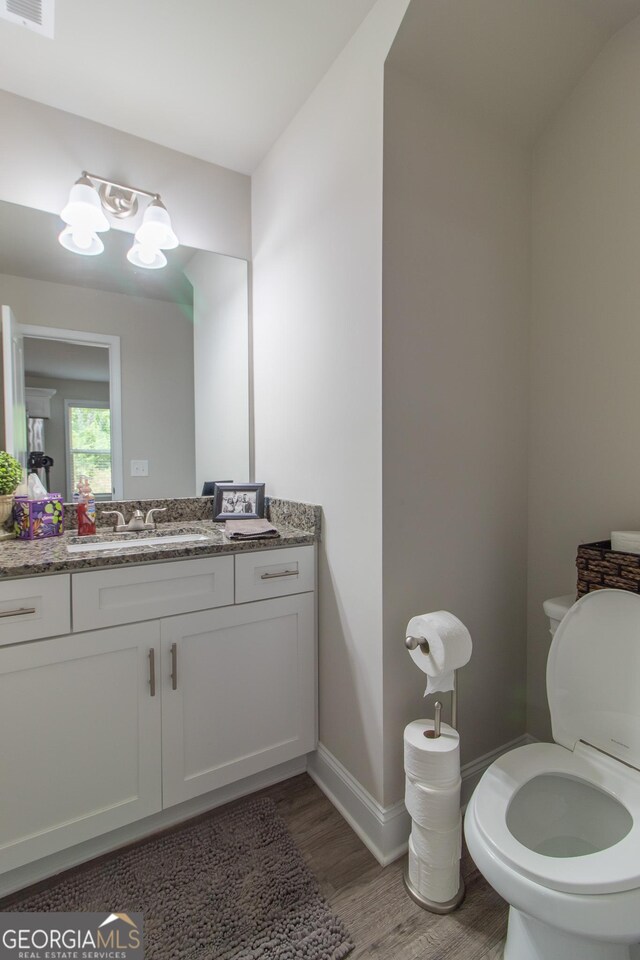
(138,379)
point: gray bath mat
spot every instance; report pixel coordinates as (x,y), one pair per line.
(233,886)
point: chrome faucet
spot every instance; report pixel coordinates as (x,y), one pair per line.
(137,522)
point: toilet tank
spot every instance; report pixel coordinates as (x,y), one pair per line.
(556,608)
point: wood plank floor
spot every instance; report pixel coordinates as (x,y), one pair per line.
(384,922)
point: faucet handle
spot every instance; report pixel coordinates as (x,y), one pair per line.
(113,513)
(150,514)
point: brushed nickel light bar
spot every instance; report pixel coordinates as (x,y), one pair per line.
(84,215)
(120,199)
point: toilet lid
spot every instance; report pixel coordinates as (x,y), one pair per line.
(593,675)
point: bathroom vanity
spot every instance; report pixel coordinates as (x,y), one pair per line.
(131,686)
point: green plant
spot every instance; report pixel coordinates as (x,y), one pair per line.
(10,473)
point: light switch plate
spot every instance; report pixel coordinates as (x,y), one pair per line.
(139,468)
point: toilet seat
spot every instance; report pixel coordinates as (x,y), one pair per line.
(614,869)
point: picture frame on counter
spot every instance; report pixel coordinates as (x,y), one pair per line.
(238,501)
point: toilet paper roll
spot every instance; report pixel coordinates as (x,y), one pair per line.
(438,884)
(433,761)
(449,648)
(437,809)
(438,849)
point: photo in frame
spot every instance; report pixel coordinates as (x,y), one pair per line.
(238,501)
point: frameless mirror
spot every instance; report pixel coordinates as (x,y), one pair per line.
(137,379)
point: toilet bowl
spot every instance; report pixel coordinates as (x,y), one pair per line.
(555,827)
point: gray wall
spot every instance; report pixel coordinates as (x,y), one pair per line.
(156,343)
(585,344)
(403,384)
(454,388)
(55,426)
(317,232)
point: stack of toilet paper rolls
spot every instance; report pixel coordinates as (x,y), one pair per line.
(432,799)
(439,644)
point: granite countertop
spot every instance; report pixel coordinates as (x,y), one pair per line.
(296,525)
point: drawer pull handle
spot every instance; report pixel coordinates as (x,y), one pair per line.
(283,573)
(21,612)
(174,666)
(152,672)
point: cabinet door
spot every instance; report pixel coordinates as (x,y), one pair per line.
(80,743)
(239,693)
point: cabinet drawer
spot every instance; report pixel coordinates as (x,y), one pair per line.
(34,608)
(104,598)
(274,573)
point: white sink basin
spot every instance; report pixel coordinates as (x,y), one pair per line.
(93,546)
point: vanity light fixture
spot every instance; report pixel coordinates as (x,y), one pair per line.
(85,218)
(148,257)
(152,237)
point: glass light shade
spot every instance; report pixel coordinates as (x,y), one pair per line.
(84,208)
(155,230)
(142,255)
(82,241)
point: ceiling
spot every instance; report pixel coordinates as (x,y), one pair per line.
(221,79)
(513,62)
(217,79)
(29,248)
(65,361)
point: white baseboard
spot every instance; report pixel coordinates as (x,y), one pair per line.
(384,830)
(58,862)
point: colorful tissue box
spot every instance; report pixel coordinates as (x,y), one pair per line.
(37,519)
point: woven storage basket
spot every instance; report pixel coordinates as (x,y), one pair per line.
(599,567)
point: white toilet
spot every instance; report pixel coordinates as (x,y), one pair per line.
(555,827)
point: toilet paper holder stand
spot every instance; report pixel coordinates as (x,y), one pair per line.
(412,643)
(433,906)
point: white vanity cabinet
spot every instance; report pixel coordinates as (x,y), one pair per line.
(105,726)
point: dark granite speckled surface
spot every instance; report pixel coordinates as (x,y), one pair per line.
(297,523)
(303,516)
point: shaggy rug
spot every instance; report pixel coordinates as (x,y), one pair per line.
(232,886)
